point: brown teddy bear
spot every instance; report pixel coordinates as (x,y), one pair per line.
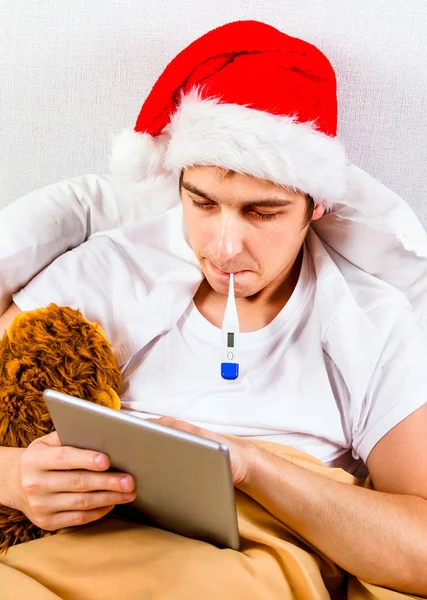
(53,347)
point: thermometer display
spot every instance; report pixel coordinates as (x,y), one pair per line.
(230,337)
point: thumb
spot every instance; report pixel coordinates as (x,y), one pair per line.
(51,439)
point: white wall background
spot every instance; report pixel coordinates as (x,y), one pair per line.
(75,72)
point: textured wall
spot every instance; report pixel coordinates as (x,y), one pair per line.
(75,72)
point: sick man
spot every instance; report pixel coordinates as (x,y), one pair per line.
(235,161)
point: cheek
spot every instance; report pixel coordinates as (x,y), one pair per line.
(277,245)
(198,230)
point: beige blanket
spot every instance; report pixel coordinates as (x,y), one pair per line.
(114,559)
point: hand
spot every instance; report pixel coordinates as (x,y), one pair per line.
(242,452)
(60,486)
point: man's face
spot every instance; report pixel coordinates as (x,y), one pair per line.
(242,225)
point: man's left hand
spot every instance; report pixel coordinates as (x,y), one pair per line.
(242,452)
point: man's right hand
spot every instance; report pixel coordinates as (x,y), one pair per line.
(59,486)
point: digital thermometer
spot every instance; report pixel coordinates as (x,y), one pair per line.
(230,336)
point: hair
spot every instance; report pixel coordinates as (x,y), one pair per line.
(229,174)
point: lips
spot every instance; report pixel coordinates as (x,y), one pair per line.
(220,271)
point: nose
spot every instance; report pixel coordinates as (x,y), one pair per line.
(229,242)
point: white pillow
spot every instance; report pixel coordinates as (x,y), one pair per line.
(378,232)
(39,227)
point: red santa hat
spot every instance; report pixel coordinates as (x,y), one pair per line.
(244,97)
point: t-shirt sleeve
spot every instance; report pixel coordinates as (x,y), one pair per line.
(398,386)
(95,278)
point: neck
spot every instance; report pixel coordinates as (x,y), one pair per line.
(255,311)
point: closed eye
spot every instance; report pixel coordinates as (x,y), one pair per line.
(202,204)
(260,215)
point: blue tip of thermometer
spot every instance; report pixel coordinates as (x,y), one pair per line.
(230,336)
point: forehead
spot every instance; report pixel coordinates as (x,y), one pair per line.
(217,181)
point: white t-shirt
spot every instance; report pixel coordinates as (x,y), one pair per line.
(341,364)
(282,380)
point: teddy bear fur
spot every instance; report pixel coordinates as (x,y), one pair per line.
(56,348)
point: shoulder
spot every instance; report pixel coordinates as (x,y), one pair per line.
(7,318)
(120,276)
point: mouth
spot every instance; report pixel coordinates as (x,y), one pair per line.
(219,271)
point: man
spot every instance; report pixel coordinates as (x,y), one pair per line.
(332,360)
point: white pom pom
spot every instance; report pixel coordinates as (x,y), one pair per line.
(136,156)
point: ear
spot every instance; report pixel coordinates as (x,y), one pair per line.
(318,212)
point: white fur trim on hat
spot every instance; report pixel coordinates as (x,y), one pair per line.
(267,146)
(136,156)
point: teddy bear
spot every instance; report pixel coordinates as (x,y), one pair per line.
(57,348)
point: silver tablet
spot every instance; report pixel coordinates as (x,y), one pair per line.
(184,482)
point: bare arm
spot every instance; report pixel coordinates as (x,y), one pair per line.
(378,535)
(7,318)
(58,486)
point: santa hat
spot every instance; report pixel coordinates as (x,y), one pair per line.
(244,97)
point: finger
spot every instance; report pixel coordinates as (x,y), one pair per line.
(177,424)
(189,428)
(88,501)
(64,458)
(73,518)
(85,481)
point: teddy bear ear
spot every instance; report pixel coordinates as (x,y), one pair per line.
(107,397)
(12,368)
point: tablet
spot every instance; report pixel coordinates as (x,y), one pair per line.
(183,481)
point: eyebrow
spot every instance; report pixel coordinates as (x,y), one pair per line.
(271,202)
